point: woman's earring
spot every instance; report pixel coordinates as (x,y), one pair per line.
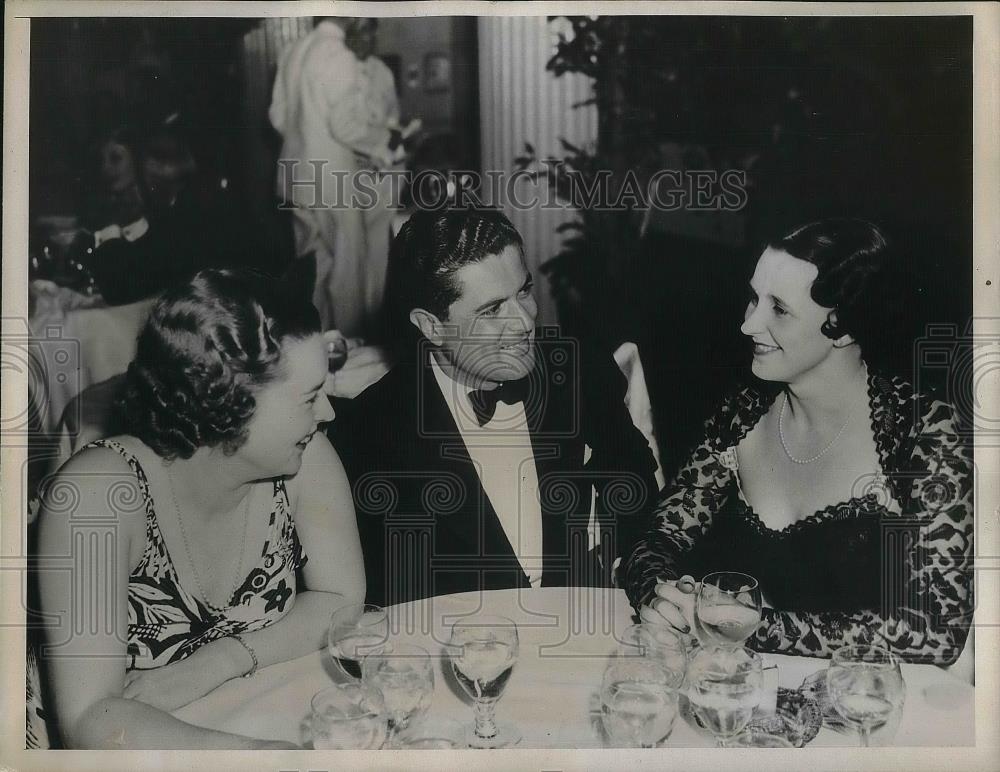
(830,330)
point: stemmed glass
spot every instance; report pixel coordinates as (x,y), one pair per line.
(724,687)
(336,354)
(866,686)
(355,631)
(658,643)
(483,651)
(638,702)
(403,674)
(348,716)
(727,609)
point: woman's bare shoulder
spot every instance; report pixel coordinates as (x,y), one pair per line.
(98,480)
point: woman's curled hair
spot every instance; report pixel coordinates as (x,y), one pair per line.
(206,348)
(858,277)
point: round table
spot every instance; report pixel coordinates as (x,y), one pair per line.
(566,636)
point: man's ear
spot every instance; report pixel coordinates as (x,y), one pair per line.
(428,324)
(844,340)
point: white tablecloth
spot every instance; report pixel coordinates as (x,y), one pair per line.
(566,636)
(79,342)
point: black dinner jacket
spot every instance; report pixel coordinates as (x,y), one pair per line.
(428,528)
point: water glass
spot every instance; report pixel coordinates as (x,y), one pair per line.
(638,702)
(403,674)
(431,733)
(348,716)
(725,686)
(659,643)
(356,630)
(483,652)
(727,609)
(755,739)
(866,687)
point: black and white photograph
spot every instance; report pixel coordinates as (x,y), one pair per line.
(599,385)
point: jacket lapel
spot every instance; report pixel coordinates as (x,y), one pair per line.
(564,494)
(475,529)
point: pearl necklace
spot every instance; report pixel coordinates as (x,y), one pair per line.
(187,549)
(784,445)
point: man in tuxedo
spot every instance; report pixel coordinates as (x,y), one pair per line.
(493,455)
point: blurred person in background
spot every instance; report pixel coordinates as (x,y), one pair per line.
(335,103)
(155,221)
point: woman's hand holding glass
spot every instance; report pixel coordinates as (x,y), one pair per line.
(727,608)
(672,605)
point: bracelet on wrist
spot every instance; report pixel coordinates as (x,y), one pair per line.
(253,655)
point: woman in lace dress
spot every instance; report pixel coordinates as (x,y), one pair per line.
(845,493)
(186,533)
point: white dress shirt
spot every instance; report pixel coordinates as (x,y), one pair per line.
(502,454)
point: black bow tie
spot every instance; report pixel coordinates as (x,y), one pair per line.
(484,401)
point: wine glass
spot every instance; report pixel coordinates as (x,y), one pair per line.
(431,733)
(336,354)
(727,609)
(725,685)
(403,674)
(638,702)
(659,643)
(355,631)
(483,651)
(865,686)
(348,716)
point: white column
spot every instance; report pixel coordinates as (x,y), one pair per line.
(261,48)
(520,101)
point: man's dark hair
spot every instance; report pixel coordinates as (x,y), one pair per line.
(430,249)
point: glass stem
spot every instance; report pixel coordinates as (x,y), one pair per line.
(865,733)
(486,727)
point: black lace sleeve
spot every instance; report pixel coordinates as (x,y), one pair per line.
(684,512)
(932,623)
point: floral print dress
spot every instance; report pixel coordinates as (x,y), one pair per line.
(167,623)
